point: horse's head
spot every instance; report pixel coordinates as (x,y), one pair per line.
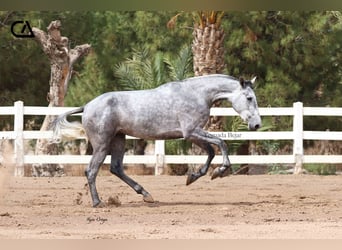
(245,103)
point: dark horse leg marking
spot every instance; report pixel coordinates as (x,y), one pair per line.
(206,138)
(116,166)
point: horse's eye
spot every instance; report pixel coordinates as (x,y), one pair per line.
(249,98)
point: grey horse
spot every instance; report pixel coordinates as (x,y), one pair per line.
(174,110)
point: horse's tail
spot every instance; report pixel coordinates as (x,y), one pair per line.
(62,129)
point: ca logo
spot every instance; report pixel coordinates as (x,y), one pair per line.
(22,34)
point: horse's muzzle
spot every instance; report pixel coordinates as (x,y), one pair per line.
(255,124)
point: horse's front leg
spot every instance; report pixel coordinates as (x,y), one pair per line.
(225,169)
(201,135)
(203,170)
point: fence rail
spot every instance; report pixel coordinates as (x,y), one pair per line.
(159,159)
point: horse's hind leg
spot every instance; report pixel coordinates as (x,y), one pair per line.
(99,154)
(116,166)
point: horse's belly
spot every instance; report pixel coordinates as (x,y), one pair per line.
(152,130)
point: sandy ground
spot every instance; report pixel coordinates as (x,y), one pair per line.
(235,207)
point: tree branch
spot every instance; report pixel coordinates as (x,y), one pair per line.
(78,51)
(41,37)
(54,31)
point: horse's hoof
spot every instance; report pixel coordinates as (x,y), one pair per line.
(148,198)
(216,173)
(191,178)
(219,172)
(99,205)
(228,171)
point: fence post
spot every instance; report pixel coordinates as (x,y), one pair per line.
(160,156)
(19,139)
(298,137)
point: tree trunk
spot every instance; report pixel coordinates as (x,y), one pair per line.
(62,58)
(208,50)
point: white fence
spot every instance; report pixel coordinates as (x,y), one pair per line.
(159,159)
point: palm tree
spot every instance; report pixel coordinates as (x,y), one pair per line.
(208,52)
(208,41)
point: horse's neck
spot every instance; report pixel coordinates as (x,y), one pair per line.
(224,95)
(219,89)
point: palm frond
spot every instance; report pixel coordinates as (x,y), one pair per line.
(160,70)
(205,18)
(180,67)
(219,19)
(127,79)
(171,24)
(144,71)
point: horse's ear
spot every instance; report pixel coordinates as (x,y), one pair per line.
(253,80)
(242,82)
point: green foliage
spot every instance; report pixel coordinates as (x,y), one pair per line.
(299,51)
(142,71)
(278,169)
(87,85)
(176,147)
(296,55)
(145,70)
(180,66)
(321,169)
(22,70)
